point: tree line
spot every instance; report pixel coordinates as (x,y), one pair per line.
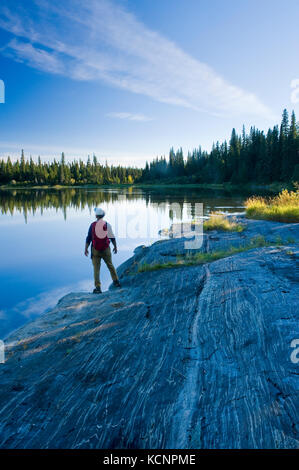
(65,173)
(255,157)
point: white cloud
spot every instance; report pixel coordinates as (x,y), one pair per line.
(99,40)
(130,117)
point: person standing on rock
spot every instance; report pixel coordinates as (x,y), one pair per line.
(99,234)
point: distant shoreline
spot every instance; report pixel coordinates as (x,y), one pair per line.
(272,187)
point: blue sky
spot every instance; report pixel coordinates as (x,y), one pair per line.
(127,79)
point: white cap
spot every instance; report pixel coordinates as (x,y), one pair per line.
(99,211)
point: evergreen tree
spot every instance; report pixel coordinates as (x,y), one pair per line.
(61,170)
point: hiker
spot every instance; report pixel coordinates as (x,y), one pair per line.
(100,233)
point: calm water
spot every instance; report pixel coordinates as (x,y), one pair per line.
(42,236)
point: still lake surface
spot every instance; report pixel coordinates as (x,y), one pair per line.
(42,237)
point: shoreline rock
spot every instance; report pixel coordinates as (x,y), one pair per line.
(194,357)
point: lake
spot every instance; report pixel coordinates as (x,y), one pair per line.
(43,234)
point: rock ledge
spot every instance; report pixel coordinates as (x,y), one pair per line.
(194,357)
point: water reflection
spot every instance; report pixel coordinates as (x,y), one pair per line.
(32,201)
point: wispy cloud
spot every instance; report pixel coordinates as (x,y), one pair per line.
(99,40)
(36,57)
(130,116)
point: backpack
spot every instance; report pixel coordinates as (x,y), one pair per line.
(100,240)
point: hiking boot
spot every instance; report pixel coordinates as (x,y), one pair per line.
(116,283)
(97,290)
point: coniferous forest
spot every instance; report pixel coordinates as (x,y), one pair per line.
(247,158)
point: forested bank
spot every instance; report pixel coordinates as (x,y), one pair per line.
(255,157)
(65,173)
(247,158)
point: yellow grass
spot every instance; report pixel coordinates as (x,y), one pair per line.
(218,221)
(282,208)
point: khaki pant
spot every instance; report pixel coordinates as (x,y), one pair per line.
(97,256)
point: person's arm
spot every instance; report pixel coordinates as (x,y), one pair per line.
(111,237)
(113,241)
(88,241)
(86,252)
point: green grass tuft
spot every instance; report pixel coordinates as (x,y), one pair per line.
(191,259)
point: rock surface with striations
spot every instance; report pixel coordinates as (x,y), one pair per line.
(191,357)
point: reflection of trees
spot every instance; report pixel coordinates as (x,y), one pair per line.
(27,201)
(31,201)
